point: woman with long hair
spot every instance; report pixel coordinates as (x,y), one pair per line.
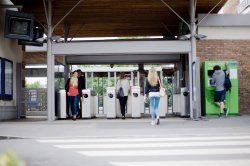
(73,90)
(152,92)
(124,84)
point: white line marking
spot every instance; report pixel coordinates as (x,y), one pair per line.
(141,139)
(172,152)
(186,162)
(153,145)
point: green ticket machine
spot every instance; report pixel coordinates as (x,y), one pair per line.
(231,100)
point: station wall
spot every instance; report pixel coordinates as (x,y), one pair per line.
(238,50)
(10,50)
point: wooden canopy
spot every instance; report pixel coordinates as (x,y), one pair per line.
(118,18)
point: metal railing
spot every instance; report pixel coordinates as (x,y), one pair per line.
(34,99)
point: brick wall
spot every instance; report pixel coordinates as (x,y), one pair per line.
(238,50)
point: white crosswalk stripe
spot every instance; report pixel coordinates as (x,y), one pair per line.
(187,163)
(232,149)
(152,145)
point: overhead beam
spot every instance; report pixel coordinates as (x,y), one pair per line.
(122,59)
(121,47)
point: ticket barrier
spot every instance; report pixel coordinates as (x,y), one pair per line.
(163,106)
(88,102)
(176,104)
(136,102)
(181,103)
(61,104)
(110,103)
(184,99)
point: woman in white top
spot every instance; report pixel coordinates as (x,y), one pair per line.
(124,83)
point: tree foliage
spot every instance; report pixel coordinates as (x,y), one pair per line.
(35,84)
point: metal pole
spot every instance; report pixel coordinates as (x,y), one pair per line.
(138,78)
(86,80)
(19,89)
(92,80)
(98,95)
(115,77)
(132,78)
(175,13)
(209,13)
(108,78)
(66,15)
(193,58)
(50,69)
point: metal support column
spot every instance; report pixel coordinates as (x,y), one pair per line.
(19,89)
(194,108)
(50,69)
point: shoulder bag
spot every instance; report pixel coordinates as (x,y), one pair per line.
(162,90)
(120,92)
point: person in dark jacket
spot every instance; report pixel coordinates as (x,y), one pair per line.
(152,92)
(81,78)
(74,92)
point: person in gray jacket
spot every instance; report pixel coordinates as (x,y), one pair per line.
(218,79)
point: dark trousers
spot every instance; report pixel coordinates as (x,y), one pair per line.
(79,115)
(123,102)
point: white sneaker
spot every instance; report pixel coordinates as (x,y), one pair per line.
(157,120)
(153,122)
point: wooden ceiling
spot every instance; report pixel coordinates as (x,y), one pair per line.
(118,18)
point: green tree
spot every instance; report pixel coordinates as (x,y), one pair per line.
(36,84)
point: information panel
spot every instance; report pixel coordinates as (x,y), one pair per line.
(7,79)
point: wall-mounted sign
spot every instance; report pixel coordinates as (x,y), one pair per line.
(7,79)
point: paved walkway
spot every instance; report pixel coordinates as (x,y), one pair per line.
(134,142)
(40,127)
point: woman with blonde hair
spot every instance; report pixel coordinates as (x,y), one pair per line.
(152,92)
(74,92)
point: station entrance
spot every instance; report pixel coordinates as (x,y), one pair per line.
(138,53)
(101,81)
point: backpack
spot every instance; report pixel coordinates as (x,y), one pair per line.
(227,83)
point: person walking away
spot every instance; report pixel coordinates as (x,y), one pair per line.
(152,90)
(218,78)
(81,78)
(124,83)
(73,90)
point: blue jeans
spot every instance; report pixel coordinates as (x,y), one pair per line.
(73,101)
(154,104)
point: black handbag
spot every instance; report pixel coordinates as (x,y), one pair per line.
(120,93)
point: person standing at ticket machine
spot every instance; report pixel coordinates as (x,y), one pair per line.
(218,78)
